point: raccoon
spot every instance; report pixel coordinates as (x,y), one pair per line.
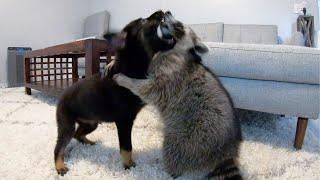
(200,127)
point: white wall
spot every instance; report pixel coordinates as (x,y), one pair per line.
(123,11)
(38,23)
(274,12)
(41,23)
(319,34)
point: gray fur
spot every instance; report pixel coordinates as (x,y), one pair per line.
(200,128)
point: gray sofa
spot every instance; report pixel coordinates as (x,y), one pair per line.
(262,75)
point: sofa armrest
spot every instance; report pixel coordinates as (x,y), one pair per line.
(264,62)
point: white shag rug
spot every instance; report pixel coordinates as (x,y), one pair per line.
(28,135)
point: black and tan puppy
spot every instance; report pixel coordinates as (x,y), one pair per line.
(97,99)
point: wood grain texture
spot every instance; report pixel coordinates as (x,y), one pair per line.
(92,58)
(300,132)
(54,76)
(27,74)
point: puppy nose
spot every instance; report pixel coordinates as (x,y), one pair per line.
(168,13)
(168,17)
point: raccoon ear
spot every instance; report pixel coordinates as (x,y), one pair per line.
(200,48)
(116,40)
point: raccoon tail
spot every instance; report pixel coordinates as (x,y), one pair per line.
(227,169)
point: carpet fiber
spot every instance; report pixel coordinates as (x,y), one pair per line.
(28,135)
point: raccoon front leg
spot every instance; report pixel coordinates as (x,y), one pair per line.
(172,158)
(111,69)
(134,85)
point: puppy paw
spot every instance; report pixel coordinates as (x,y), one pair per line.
(62,170)
(130,165)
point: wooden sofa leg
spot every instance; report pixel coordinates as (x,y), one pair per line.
(300,132)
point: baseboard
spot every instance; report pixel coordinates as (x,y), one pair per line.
(3,85)
(315,128)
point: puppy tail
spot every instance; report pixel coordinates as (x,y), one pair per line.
(226,169)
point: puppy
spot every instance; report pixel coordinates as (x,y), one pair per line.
(97,99)
(200,128)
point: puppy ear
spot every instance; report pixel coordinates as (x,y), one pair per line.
(116,40)
(158,15)
(200,48)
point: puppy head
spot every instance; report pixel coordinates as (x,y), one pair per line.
(141,35)
(137,43)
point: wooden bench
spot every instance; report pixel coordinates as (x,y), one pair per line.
(55,68)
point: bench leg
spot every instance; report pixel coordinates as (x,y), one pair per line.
(28,91)
(75,75)
(92,58)
(300,132)
(26,64)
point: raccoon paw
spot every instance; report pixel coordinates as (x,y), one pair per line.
(121,80)
(175,176)
(109,68)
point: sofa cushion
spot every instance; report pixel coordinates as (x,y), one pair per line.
(212,32)
(292,99)
(264,62)
(254,34)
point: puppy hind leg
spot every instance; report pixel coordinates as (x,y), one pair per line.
(124,134)
(66,129)
(83,130)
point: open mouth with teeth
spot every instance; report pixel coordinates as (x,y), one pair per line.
(164,34)
(165,31)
